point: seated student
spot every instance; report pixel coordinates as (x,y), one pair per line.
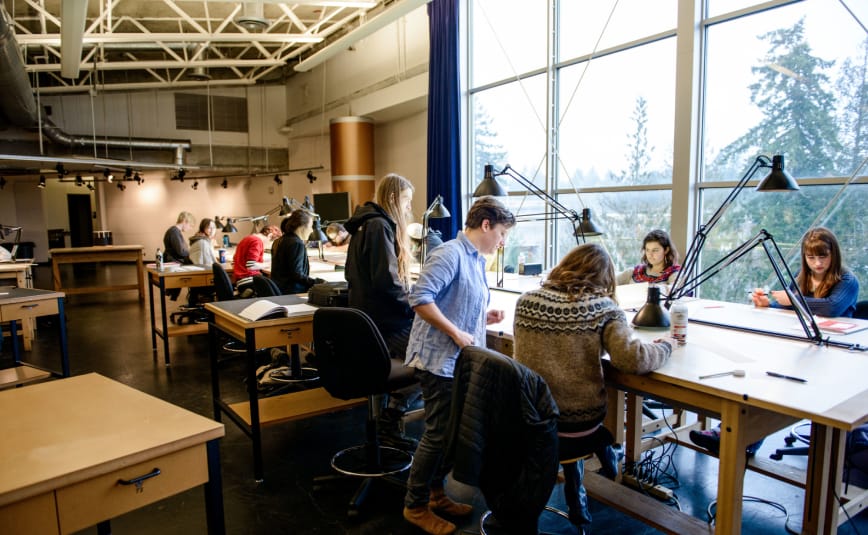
(174,243)
(250,255)
(175,246)
(562,331)
(202,254)
(337,235)
(290,268)
(829,289)
(659,261)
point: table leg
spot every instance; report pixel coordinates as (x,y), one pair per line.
(253,394)
(730,479)
(55,275)
(16,352)
(140,268)
(214,491)
(213,333)
(164,320)
(821,512)
(64,348)
(153,317)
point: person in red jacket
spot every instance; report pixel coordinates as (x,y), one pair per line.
(250,256)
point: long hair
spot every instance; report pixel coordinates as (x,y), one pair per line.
(388,197)
(660,236)
(205,226)
(586,270)
(820,241)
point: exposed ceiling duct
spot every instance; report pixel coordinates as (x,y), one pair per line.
(19,107)
(253,18)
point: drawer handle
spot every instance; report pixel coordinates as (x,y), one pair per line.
(139,481)
(290,330)
(30,306)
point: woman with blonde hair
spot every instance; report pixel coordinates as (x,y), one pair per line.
(378,276)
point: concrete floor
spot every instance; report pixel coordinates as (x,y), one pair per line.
(110,334)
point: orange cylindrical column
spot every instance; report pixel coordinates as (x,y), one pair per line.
(352,157)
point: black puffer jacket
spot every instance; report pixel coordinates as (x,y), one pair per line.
(503,436)
(372,270)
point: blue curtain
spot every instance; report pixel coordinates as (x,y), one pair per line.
(444,158)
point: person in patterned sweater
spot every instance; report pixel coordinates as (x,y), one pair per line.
(562,331)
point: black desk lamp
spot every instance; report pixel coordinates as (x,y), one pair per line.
(685,282)
(436,211)
(582,224)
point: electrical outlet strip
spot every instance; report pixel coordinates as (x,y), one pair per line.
(658,491)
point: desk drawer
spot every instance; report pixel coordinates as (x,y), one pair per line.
(281,335)
(101,498)
(33,515)
(30,309)
(206,278)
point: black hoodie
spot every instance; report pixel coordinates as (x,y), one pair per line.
(372,270)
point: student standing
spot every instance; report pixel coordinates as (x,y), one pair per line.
(378,277)
(450,299)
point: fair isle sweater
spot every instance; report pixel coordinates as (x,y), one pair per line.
(565,341)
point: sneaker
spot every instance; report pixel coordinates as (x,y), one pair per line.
(708,439)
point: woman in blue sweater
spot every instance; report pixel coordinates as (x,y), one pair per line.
(829,288)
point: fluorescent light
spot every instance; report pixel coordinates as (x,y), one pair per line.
(390,15)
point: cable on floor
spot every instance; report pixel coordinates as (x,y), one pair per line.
(711,512)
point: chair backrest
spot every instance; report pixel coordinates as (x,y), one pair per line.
(352,357)
(265,287)
(861,310)
(222,283)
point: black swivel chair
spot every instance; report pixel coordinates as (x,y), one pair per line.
(354,362)
(226,292)
(801,432)
(264,286)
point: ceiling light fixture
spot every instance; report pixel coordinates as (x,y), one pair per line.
(128,173)
(108,175)
(195,185)
(277,180)
(122,186)
(138,178)
(41,184)
(311,177)
(90,186)
(61,172)
(78,180)
(224,184)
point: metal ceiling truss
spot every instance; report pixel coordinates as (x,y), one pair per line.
(148,44)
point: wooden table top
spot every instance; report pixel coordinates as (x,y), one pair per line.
(71,430)
(96,249)
(22,295)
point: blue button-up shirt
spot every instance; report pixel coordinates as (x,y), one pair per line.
(454,279)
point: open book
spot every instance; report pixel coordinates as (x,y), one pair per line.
(265,309)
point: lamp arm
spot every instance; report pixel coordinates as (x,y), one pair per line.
(540,193)
(425,217)
(692,256)
(784,276)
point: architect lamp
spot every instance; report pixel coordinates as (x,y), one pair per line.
(582,224)
(685,282)
(437,211)
(652,313)
(318,236)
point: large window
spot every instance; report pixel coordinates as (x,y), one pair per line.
(580,97)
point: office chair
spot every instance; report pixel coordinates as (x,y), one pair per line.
(797,433)
(264,286)
(354,362)
(226,292)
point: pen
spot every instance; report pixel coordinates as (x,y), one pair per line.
(790,377)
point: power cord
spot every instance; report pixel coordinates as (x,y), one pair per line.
(711,512)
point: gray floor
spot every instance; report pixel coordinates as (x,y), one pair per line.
(109,334)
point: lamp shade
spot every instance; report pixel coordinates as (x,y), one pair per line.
(489,185)
(316,233)
(437,210)
(652,314)
(229,226)
(778,179)
(586,226)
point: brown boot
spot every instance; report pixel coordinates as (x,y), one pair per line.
(440,502)
(425,519)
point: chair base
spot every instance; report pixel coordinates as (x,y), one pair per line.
(307,375)
(355,461)
(549,508)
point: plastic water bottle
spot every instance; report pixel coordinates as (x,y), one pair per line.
(678,316)
(226,241)
(159,259)
(522,258)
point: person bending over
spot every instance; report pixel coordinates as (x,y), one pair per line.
(250,257)
(450,299)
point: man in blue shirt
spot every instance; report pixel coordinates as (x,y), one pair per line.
(450,300)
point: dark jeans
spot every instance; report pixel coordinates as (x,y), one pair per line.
(574,473)
(401,400)
(429,468)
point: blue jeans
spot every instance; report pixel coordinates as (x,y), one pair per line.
(429,469)
(574,474)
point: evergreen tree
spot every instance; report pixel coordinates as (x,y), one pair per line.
(853,122)
(638,151)
(486,146)
(799,110)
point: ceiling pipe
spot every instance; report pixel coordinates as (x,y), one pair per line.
(19,107)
